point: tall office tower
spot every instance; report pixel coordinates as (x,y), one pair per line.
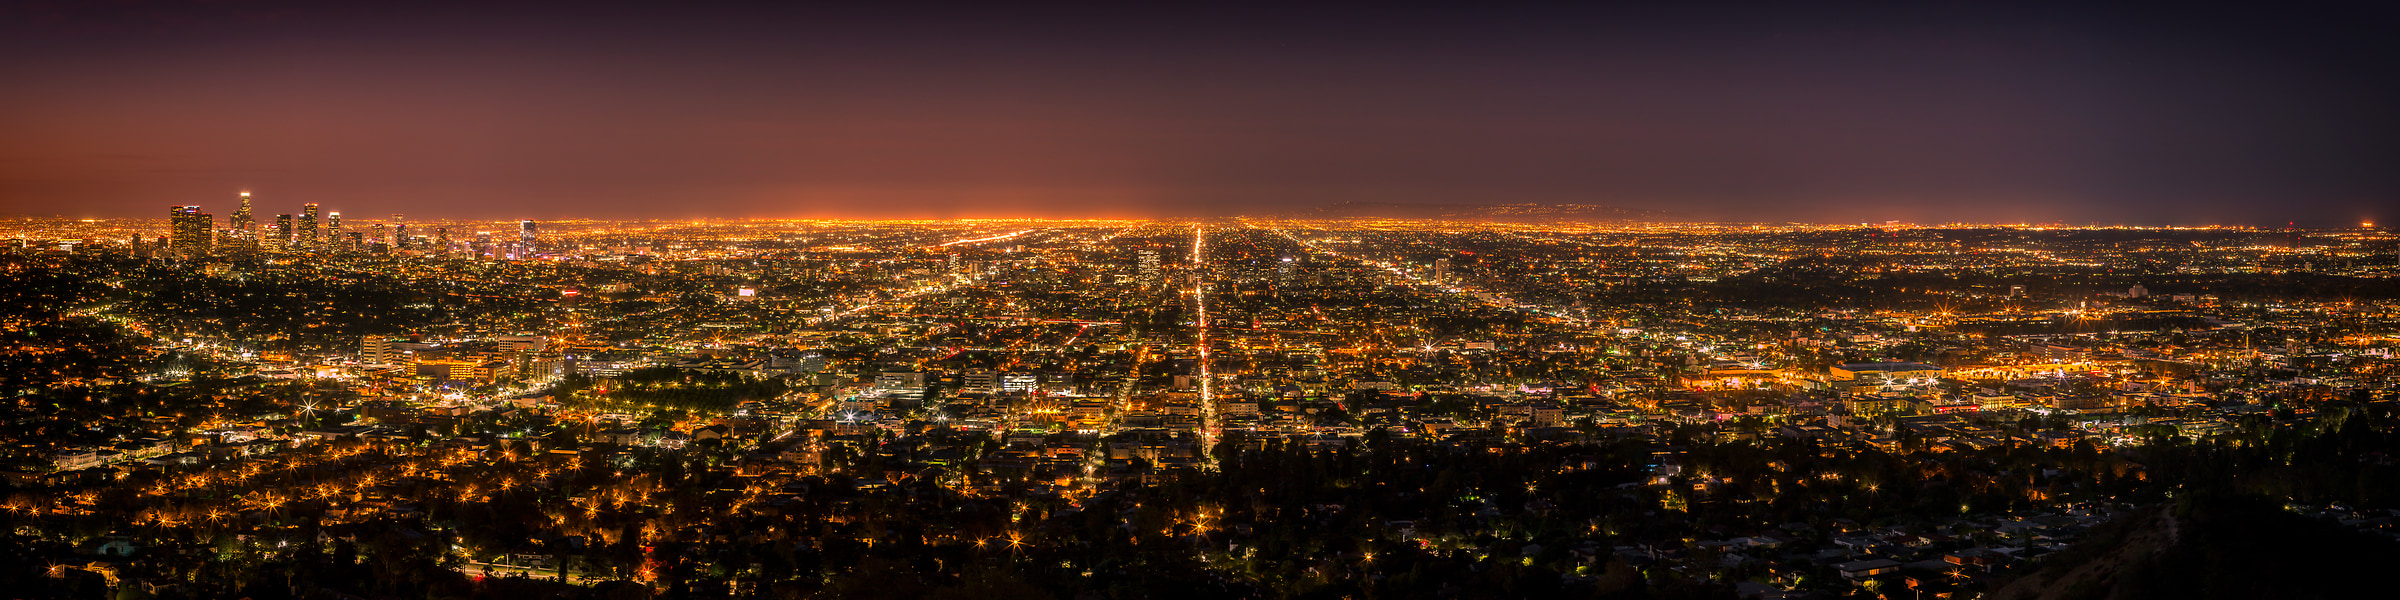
(1149,266)
(1441,270)
(483,244)
(281,237)
(308,228)
(334,240)
(244,228)
(526,231)
(381,241)
(191,229)
(441,242)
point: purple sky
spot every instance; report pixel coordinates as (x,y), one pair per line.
(1956,112)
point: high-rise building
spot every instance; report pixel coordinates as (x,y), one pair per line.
(441,242)
(281,237)
(1441,270)
(482,246)
(334,240)
(244,228)
(308,228)
(191,229)
(526,234)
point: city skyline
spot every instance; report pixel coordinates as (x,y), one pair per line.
(193,231)
(611,300)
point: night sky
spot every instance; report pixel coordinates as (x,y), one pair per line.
(1963,111)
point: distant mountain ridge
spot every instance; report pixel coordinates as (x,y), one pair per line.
(1525,212)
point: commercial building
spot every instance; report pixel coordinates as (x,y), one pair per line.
(308,228)
(334,241)
(1147,262)
(1883,376)
(281,236)
(191,230)
(244,227)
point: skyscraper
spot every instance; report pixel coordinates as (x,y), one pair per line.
(380,242)
(244,228)
(525,235)
(482,247)
(334,240)
(281,237)
(191,230)
(441,242)
(308,228)
(1441,270)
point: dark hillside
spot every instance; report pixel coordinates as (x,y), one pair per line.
(2214,546)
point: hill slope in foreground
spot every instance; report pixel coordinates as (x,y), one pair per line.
(2214,547)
